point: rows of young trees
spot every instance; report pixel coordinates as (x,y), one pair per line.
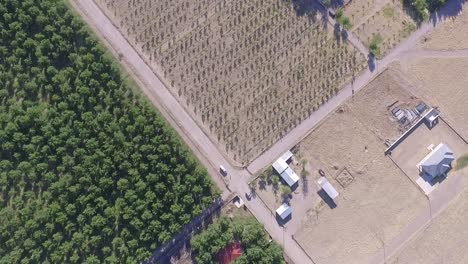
(239,65)
(255,244)
(89,171)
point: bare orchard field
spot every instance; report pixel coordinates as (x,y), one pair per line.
(442,82)
(247,71)
(444,241)
(377,201)
(452,34)
(384,17)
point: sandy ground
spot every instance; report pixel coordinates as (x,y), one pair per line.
(452,34)
(367,214)
(442,82)
(445,240)
(370,104)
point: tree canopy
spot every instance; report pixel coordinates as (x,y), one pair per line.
(89,171)
(256,247)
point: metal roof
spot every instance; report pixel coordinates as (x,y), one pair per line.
(289,176)
(327,187)
(284,211)
(438,162)
(280,165)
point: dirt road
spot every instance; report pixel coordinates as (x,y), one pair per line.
(200,143)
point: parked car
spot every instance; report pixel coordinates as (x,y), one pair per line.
(222,170)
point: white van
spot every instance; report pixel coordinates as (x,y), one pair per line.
(222,170)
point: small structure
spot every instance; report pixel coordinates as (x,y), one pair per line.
(283,169)
(432,118)
(284,211)
(230,253)
(289,176)
(438,162)
(327,187)
(280,165)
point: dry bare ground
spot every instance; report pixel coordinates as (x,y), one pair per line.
(444,241)
(452,34)
(247,71)
(384,17)
(442,82)
(368,214)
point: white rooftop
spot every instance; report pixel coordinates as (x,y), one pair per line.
(438,162)
(280,165)
(327,187)
(284,211)
(286,156)
(289,176)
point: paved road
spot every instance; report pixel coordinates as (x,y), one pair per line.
(200,143)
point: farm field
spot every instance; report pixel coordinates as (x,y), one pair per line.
(349,147)
(442,82)
(452,34)
(89,170)
(447,231)
(247,71)
(386,18)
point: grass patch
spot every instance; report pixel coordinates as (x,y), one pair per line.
(462,162)
(388,12)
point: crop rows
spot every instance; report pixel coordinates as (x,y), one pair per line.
(249,71)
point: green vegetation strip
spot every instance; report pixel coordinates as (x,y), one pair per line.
(462,162)
(89,172)
(225,231)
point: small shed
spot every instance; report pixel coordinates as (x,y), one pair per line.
(432,118)
(438,162)
(327,187)
(289,176)
(284,211)
(280,165)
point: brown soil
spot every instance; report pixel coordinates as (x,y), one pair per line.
(442,82)
(452,34)
(367,214)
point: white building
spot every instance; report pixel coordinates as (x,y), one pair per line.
(283,169)
(284,211)
(327,187)
(290,177)
(438,162)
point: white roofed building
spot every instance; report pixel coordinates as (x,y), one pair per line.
(327,187)
(284,211)
(280,165)
(438,162)
(290,177)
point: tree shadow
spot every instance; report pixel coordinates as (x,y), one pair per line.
(262,184)
(305,186)
(337,33)
(371,62)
